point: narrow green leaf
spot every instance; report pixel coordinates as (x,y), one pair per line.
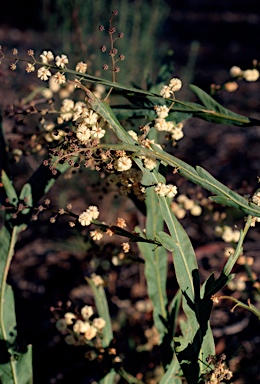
(19,370)
(26,196)
(183,256)
(102,309)
(203,178)
(9,189)
(166,240)
(217,113)
(221,115)
(155,264)
(109,378)
(16,367)
(198,340)
(223,201)
(171,375)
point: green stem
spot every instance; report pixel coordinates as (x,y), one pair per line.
(233,258)
(248,307)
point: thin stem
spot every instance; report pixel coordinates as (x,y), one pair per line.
(248,307)
(233,258)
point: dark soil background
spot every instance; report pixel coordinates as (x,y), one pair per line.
(50,263)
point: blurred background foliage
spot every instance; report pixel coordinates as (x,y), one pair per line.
(77,23)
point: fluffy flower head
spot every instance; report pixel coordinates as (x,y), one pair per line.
(61,61)
(161,111)
(99,323)
(123,163)
(81,67)
(46,57)
(43,73)
(251,74)
(59,78)
(166,92)
(83,133)
(175,84)
(87,312)
(87,216)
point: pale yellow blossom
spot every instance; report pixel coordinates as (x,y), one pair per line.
(123,163)
(81,67)
(166,92)
(99,323)
(90,333)
(30,68)
(43,73)
(81,326)
(97,132)
(87,312)
(83,133)
(175,84)
(61,61)
(46,57)
(251,74)
(96,235)
(235,71)
(59,78)
(69,317)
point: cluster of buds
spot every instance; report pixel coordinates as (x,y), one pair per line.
(112,51)
(80,328)
(164,190)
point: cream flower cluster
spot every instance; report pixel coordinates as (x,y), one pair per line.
(183,205)
(149,163)
(85,119)
(228,234)
(248,74)
(166,190)
(160,124)
(81,67)
(87,216)
(96,235)
(80,329)
(44,72)
(168,90)
(123,163)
